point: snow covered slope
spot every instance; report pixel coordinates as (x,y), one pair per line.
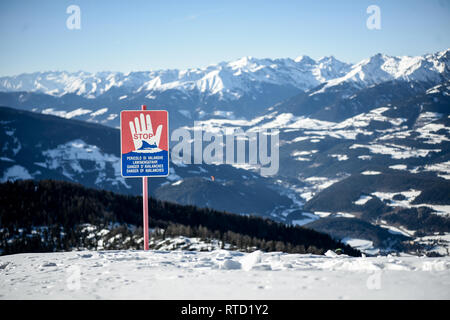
(36,146)
(219,274)
(376,145)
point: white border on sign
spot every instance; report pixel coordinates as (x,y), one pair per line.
(168,147)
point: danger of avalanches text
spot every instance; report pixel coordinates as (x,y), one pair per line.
(144,164)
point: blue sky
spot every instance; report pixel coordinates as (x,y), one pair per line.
(150,34)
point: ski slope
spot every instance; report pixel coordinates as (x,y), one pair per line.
(220,274)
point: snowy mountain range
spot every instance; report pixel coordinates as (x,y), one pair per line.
(230,80)
(238,89)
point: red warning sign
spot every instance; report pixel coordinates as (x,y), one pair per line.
(144,138)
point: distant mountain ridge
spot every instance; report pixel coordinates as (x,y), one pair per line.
(239,89)
(230,80)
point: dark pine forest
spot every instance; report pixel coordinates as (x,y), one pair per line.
(47,215)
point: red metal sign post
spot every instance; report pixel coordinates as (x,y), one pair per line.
(145,204)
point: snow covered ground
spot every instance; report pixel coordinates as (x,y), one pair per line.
(220,274)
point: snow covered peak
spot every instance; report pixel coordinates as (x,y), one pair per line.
(305,60)
(331,68)
(328,60)
(233,79)
(381,68)
(242,62)
(444,54)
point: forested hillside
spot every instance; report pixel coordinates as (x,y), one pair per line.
(39,216)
